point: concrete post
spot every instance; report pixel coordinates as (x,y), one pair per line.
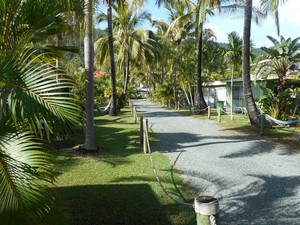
(207,210)
(208,112)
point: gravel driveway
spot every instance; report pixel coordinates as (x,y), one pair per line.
(256,182)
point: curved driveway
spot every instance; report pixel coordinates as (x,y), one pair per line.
(256,182)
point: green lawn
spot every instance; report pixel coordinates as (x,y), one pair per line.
(241,123)
(115,185)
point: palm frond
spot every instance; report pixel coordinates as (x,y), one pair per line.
(24,175)
(38,92)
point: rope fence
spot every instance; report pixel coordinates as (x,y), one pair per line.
(206,207)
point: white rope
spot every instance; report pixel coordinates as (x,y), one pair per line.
(157,178)
(212,220)
(224,112)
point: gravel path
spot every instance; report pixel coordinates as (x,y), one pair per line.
(256,182)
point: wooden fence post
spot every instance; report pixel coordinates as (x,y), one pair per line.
(129,103)
(262,123)
(134,115)
(219,114)
(141,129)
(145,139)
(207,210)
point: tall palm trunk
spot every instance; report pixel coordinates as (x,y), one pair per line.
(126,71)
(113,107)
(231,93)
(89,75)
(201,102)
(175,92)
(253,113)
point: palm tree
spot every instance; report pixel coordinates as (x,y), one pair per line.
(34,105)
(113,108)
(271,6)
(234,56)
(178,31)
(89,75)
(250,103)
(253,113)
(132,38)
(131,41)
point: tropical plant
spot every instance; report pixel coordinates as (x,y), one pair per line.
(179,30)
(130,41)
(34,104)
(280,106)
(253,112)
(234,56)
(280,58)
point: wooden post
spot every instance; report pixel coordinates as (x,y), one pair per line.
(141,129)
(219,114)
(134,115)
(262,123)
(208,112)
(145,139)
(131,107)
(207,210)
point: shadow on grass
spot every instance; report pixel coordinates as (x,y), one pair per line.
(108,205)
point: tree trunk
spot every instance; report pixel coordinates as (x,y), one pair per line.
(201,101)
(113,108)
(175,95)
(231,93)
(253,113)
(89,76)
(126,71)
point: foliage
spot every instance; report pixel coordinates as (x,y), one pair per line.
(25,169)
(280,58)
(164,93)
(34,102)
(281,105)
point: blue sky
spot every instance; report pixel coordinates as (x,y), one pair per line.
(289,16)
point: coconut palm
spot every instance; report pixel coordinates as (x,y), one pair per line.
(130,40)
(271,6)
(253,113)
(113,110)
(234,56)
(179,30)
(34,103)
(89,75)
